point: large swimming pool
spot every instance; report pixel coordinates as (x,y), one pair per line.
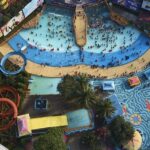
(52,41)
(55,26)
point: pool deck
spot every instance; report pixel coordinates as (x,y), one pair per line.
(113,72)
(80,26)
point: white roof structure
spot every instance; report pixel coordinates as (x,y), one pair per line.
(108,85)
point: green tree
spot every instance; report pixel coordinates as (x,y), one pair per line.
(90,139)
(53,140)
(121,131)
(105,109)
(77,90)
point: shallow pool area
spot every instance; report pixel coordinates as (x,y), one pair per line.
(103,34)
(53,33)
(43,86)
(52,41)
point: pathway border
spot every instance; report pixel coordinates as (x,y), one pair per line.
(109,73)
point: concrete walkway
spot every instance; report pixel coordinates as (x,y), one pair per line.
(47,71)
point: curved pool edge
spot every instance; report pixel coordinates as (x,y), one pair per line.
(109,73)
(79,57)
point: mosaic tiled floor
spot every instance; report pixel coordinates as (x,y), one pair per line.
(135,103)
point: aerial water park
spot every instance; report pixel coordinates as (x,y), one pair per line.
(75,74)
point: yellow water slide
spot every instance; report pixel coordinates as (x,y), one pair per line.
(46,122)
(26,124)
(80,26)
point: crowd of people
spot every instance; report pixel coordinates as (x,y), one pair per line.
(54,33)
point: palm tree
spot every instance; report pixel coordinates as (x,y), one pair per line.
(105,109)
(78,91)
(85,96)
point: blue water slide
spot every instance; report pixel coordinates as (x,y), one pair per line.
(3,62)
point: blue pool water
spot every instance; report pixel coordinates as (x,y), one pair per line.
(52,41)
(54,27)
(43,86)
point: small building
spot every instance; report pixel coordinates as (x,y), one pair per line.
(79,121)
(24,127)
(134,81)
(108,85)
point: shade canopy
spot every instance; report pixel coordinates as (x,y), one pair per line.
(133,81)
(135,143)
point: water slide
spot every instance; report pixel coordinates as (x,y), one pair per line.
(46,122)
(26,124)
(4,59)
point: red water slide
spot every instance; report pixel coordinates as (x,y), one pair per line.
(9,102)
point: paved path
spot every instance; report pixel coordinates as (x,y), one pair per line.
(47,71)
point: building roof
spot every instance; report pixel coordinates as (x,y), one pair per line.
(133,81)
(23,123)
(108,85)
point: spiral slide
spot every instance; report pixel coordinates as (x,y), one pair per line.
(4,59)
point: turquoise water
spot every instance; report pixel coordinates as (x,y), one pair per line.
(79,120)
(52,41)
(54,32)
(43,86)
